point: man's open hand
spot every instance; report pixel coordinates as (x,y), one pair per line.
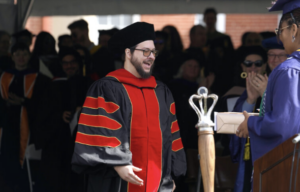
(126,172)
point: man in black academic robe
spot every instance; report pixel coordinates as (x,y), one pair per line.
(128,137)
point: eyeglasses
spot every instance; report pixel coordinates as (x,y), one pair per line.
(273,56)
(257,63)
(279,31)
(147,52)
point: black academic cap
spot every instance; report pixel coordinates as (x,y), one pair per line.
(244,51)
(24,32)
(272,43)
(131,36)
(285,5)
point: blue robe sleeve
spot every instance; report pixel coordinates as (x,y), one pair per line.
(281,119)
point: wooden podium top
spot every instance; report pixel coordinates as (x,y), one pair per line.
(272,172)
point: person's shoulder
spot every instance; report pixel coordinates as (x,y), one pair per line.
(289,64)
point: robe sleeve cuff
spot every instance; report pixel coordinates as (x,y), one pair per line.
(248,107)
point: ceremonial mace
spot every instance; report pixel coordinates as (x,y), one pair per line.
(206,144)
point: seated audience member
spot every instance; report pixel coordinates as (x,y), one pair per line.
(28,121)
(44,56)
(253,62)
(267,34)
(65,41)
(24,36)
(5,58)
(185,85)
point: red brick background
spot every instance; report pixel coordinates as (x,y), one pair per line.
(238,24)
(183,23)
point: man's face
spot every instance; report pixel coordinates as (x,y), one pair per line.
(210,20)
(21,58)
(253,68)
(191,69)
(103,40)
(276,57)
(79,35)
(143,64)
(199,37)
(70,65)
(4,44)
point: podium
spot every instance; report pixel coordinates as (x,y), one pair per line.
(279,169)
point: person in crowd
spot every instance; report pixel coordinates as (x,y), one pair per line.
(161,70)
(120,122)
(174,44)
(210,19)
(279,111)
(105,35)
(28,121)
(24,36)
(44,56)
(80,35)
(65,41)
(182,87)
(253,60)
(197,44)
(72,90)
(85,55)
(5,58)
(252,39)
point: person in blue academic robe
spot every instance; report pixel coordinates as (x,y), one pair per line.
(280,109)
(252,59)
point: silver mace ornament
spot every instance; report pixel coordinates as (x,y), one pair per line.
(206,144)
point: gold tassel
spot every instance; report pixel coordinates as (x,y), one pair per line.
(84,70)
(247,150)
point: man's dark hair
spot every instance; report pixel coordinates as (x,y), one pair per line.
(19,47)
(81,24)
(193,29)
(132,49)
(210,10)
(61,38)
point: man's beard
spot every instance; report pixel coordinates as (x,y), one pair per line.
(139,68)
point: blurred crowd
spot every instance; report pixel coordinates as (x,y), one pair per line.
(42,92)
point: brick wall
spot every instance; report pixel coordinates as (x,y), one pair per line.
(183,23)
(238,24)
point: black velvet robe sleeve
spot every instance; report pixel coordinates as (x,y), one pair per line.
(102,140)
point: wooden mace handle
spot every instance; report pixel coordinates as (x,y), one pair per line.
(206,146)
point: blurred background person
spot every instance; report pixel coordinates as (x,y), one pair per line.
(182,87)
(85,65)
(162,67)
(44,55)
(28,123)
(5,58)
(65,41)
(174,44)
(24,36)
(252,39)
(80,34)
(105,35)
(72,89)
